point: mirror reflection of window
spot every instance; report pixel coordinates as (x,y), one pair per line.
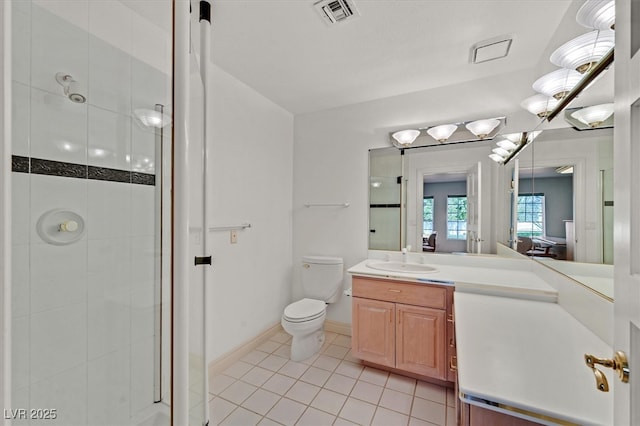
(456,217)
(531,217)
(427,217)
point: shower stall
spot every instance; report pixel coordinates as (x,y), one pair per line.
(102,303)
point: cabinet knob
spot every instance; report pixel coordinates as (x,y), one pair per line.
(453,366)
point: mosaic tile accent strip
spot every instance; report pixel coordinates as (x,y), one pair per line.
(143,178)
(58,168)
(111,175)
(39,166)
(20,164)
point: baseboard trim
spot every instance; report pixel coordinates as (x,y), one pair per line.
(223,362)
(337,327)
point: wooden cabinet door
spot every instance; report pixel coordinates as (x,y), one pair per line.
(373,331)
(420,341)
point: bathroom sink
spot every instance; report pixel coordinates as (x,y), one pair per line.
(412,268)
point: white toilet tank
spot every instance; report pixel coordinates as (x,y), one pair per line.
(322,277)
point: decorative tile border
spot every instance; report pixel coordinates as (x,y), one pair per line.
(39,166)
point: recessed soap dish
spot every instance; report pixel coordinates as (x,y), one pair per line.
(60,227)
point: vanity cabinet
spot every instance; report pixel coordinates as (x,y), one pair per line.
(404,326)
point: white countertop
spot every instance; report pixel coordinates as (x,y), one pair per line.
(530,355)
(488,277)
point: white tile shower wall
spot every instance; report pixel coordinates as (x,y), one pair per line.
(83,313)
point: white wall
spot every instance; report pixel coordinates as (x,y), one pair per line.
(251,164)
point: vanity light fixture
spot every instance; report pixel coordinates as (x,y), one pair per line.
(595,115)
(406,137)
(597,14)
(511,145)
(539,104)
(584,51)
(558,83)
(443,132)
(482,128)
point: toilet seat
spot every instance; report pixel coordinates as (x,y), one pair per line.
(304,310)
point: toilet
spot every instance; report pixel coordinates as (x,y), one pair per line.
(304,320)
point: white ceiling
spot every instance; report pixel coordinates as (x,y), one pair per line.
(282,48)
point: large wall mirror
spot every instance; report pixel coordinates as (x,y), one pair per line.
(564,204)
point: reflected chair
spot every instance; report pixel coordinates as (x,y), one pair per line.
(524,245)
(429,244)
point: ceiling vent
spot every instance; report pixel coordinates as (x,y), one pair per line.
(489,50)
(334,11)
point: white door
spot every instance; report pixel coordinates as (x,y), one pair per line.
(627,206)
(513,193)
(474,235)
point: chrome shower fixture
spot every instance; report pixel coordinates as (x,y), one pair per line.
(69,86)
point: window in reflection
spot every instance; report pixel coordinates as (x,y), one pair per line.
(456,217)
(427,217)
(531,218)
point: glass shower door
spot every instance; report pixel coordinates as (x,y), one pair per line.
(91,211)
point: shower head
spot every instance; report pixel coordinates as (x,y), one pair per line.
(69,87)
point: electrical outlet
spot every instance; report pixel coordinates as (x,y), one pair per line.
(234,236)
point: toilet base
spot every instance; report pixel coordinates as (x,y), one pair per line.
(303,347)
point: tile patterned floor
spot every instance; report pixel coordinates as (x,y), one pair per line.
(331,388)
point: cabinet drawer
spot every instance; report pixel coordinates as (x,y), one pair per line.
(411,294)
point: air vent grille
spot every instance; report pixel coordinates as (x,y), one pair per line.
(334,11)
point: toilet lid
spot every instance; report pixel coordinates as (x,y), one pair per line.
(304,308)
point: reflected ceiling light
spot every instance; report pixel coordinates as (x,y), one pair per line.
(497,158)
(506,144)
(539,104)
(583,52)
(565,170)
(152,118)
(597,14)
(443,132)
(482,128)
(558,83)
(594,116)
(406,137)
(501,151)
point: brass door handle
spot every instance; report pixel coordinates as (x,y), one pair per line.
(619,363)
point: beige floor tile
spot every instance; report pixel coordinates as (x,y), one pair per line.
(367,392)
(329,401)
(350,369)
(429,411)
(257,376)
(238,392)
(401,383)
(431,392)
(326,362)
(314,417)
(375,376)
(336,351)
(269,346)
(286,411)
(273,362)
(385,417)
(316,376)
(254,357)
(339,383)
(238,369)
(261,401)
(293,369)
(357,411)
(219,383)
(302,392)
(279,384)
(342,340)
(219,409)
(242,417)
(396,401)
